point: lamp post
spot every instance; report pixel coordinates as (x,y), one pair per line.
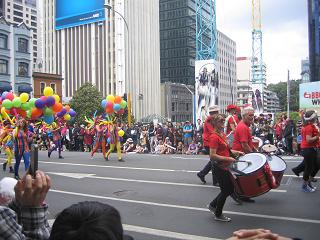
(193,103)
(127,59)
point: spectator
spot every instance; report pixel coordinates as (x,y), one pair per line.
(168,144)
(187,134)
(152,136)
(193,148)
(128,146)
(180,148)
(88,221)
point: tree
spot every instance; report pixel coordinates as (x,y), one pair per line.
(281,90)
(86,101)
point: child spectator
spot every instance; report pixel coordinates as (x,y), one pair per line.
(180,148)
(192,149)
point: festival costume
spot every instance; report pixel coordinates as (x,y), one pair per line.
(99,141)
(21,150)
(57,142)
(8,146)
(114,142)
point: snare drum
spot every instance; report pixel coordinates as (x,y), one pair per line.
(277,166)
(257,142)
(251,180)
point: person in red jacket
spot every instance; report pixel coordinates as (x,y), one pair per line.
(207,132)
(231,123)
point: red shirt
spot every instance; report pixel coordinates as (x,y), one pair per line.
(311,130)
(207,131)
(220,144)
(232,120)
(242,134)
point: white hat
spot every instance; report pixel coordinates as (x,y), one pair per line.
(214,108)
(129,140)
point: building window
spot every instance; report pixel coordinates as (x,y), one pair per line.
(42,87)
(3,41)
(23,69)
(18,20)
(3,66)
(23,45)
(53,86)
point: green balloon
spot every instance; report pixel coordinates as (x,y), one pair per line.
(47,112)
(7,103)
(25,106)
(16,102)
(29,114)
(32,102)
(123,104)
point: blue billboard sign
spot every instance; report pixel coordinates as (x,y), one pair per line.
(78,12)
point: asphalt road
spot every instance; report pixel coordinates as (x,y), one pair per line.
(160,197)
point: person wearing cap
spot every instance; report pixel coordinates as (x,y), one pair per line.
(208,130)
(128,146)
(231,123)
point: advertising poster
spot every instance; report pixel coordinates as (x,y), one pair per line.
(206,87)
(257,98)
(78,12)
(309,96)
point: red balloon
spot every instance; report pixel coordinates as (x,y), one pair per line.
(121,111)
(21,112)
(67,107)
(57,107)
(117,99)
(109,110)
(9,96)
(36,112)
(109,105)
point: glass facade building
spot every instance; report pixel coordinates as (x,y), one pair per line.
(314,39)
(177,41)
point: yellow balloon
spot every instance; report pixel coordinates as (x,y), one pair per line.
(24,97)
(110,98)
(56,97)
(48,91)
(67,117)
(121,133)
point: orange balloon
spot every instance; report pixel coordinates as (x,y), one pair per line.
(57,107)
(36,112)
(67,107)
(21,112)
(117,99)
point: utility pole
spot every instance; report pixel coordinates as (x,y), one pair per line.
(288,95)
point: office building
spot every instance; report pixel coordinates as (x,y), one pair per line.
(116,54)
(26,11)
(305,71)
(15,57)
(314,39)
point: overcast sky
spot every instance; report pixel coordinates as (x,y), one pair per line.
(285,33)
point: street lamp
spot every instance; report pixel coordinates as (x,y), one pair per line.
(109,7)
(193,102)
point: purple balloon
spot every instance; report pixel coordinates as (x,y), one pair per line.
(50,101)
(60,114)
(63,111)
(39,103)
(72,113)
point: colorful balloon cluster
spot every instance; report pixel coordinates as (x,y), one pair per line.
(114,105)
(14,105)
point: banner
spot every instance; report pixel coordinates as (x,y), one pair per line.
(206,87)
(309,96)
(256,98)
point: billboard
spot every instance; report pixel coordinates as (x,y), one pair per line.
(257,97)
(206,87)
(309,95)
(78,12)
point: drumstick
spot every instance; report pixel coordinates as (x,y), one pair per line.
(244,161)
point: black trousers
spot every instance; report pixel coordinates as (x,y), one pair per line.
(310,163)
(207,168)
(226,187)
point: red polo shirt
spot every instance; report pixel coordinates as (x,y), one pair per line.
(232,120)
(242,134)
(207,131)
(311,130)
(220,144)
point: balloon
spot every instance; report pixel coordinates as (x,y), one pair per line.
(36,112)
(28,114)
(109,110)
(67,107)
(48,91)
(67,117)
(120,133)
(3,95)
(47,112)
(7,103)
(103,103)
(64,111)
(72,113)
(116,107)
(121,111)
(39,103)
(56,97)
(24,97)
(50,101)
(60,114)
(25,106)
(57,107)
(109,105)
(120,139)
(9,96)
(32,102)
(22,113)
(117,99)
(43,98)
(123,104)
(110,98)
(16,102)
(48,119)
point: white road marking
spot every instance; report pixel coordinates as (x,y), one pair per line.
(87,175)
(304,220)
(157,232)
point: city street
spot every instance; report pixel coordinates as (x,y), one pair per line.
(160,197)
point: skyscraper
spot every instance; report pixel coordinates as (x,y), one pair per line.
(314,39)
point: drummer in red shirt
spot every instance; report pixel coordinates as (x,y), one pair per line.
(310,137)
(231,123)
(221,159)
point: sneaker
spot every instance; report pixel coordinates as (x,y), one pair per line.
(60,157)
(222,218)
(17,177)
(201,178)
(49,154)
(307,189)
(4,166)
(211,208)
(91,158)
(313,180)
(121,160)
(295,172)
(11,170)
(312,187)
(246,199)
(106,158)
